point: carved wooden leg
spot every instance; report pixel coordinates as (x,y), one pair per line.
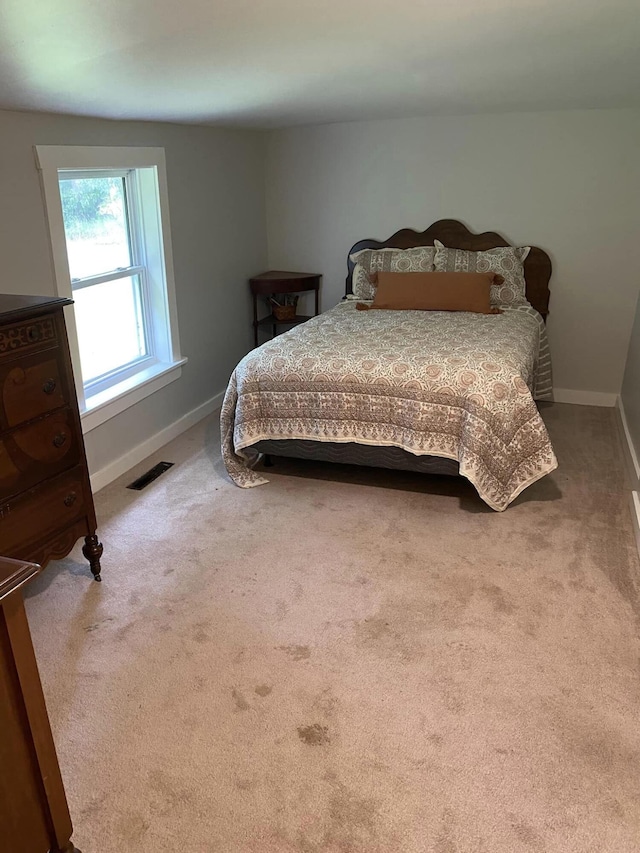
(92,549)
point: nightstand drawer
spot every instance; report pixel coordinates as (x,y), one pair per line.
(46,508)
(36,452)
(31,387)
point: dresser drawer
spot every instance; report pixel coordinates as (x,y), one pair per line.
(32,386)
(27,336)
(41,511)
(37,451)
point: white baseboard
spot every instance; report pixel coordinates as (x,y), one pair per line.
(635,517)
(584,398)
(120,466)
(631,456)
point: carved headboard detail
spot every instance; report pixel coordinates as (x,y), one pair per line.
(455,235)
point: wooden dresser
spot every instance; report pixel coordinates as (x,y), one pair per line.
(34,817)
(46,503)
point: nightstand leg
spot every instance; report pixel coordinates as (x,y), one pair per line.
(92,550)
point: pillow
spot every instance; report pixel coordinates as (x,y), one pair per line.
(363,284)
(418,259)
(434,291)
(506,260)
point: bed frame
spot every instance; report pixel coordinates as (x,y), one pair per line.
(456,235)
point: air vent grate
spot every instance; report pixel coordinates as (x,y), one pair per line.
(151,475)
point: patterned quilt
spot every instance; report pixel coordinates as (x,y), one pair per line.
(455,385)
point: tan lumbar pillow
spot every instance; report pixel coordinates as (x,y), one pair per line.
(435,291)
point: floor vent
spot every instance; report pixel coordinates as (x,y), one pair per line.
(151,475)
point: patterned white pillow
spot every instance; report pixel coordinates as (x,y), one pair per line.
(506,260)
(363,288)
(419,259)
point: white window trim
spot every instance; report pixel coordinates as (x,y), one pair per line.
(127,393)
(102,406)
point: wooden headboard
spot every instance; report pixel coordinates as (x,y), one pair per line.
(455,235)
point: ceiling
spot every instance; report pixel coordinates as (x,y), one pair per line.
(278,63)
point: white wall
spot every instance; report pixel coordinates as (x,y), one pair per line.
(566,181)
(217,208)
(630,421)
(569,182)
(631,391)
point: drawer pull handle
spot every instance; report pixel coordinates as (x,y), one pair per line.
(33,334)
(18,376)
(70,499)
(59,439)
(49,386)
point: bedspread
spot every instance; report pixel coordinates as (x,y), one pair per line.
(456,385)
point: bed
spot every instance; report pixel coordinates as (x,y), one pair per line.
(430,391)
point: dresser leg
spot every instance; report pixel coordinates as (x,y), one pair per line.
(92,549)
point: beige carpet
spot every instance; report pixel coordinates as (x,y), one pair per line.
(361,662)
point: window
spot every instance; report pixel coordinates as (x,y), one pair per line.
(108,276)
(108,220)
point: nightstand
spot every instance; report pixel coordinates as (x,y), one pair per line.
(276,282)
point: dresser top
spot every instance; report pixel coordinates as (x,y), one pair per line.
(15,307)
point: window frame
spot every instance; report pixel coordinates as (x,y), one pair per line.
(103,400)
(136,268)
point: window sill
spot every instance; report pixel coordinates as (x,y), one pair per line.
(107,404)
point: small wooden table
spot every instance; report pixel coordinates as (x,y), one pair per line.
(34,817)
(275,282)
